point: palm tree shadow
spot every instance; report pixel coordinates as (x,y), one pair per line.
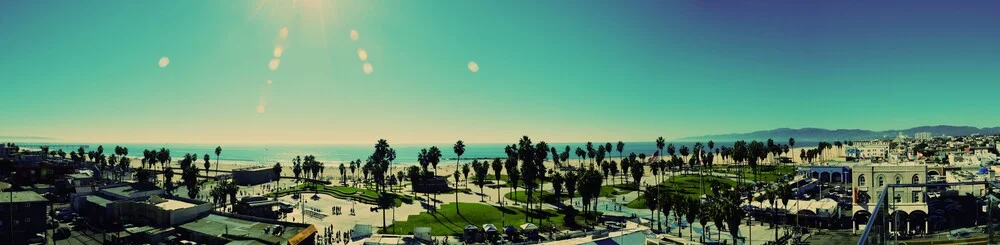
(505,210)
(443,223)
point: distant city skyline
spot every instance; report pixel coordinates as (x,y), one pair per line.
(312,71)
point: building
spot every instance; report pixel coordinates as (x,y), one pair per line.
(160,212)
(258,206)
(24,213)
(253,175)
(907,205)
(868,150)
(130,191)
(923,135)
(968,175)
(100,207)
(221,228)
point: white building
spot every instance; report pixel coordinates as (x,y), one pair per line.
(905,203)
(923,135)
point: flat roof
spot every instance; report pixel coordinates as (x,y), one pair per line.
(98,200)
(171,204)
(218,225)
(127,190)
(21,197)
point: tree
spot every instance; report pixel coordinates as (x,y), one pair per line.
(652,202)
(465,172)
(208,164)
(497,169)
(637,170)
(557,185)
(666,203)
(168,180)
(413,172)
(571,179)
(692,211)
(482,169)
(218,151)
(343,173)
(581,154)
(380,159)
(277,172)
(297,167)
(513,174)
(660,143)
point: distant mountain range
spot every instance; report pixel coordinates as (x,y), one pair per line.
(819,134)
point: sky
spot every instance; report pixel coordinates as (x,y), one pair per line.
(560,71)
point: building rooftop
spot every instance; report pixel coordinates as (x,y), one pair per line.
(98,200)
(170,204)
(22,196)
(230,226)
(127,190)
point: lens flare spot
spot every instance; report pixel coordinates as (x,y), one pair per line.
(261,107)
(368,68)
(277,51)
(473,66)
(283,33)
(164,61)
(268,82)
(274,64)
(362,54)
(355,35)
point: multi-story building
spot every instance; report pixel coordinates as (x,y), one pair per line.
(904,203)
(22,212)
(868,150)
(923,135)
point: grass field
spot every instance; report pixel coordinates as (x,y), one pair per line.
(344,192)
(548,197)
(687,185)
(448,221)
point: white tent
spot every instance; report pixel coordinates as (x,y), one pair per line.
(529,227)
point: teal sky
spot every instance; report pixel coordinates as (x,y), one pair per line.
(561,71)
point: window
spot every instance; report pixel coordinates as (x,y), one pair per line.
(897,198)
(916,197)
(881,180)
(916,179)
(861,180)
(899,180)
(27,220)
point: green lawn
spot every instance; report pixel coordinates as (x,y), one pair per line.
(687,185)
(766,173)
(448,221)
(548,197)
(344,192)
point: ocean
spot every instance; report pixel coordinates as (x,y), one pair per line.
(406,154)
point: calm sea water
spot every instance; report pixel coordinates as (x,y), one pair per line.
(405,153)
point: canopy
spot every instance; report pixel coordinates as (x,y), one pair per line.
(471,227)
(529,227)
(490,228)
(510,229)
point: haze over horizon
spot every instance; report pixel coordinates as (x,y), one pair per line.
(559,71)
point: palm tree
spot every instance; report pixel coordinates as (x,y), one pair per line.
(652,201)
(497,168)
(482,169)
(570,184)
(580,154)
(557,185)
(457,176)
(208,164)
(218,150)
(692,211)
(465,171)
(277,174)
(791,143)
